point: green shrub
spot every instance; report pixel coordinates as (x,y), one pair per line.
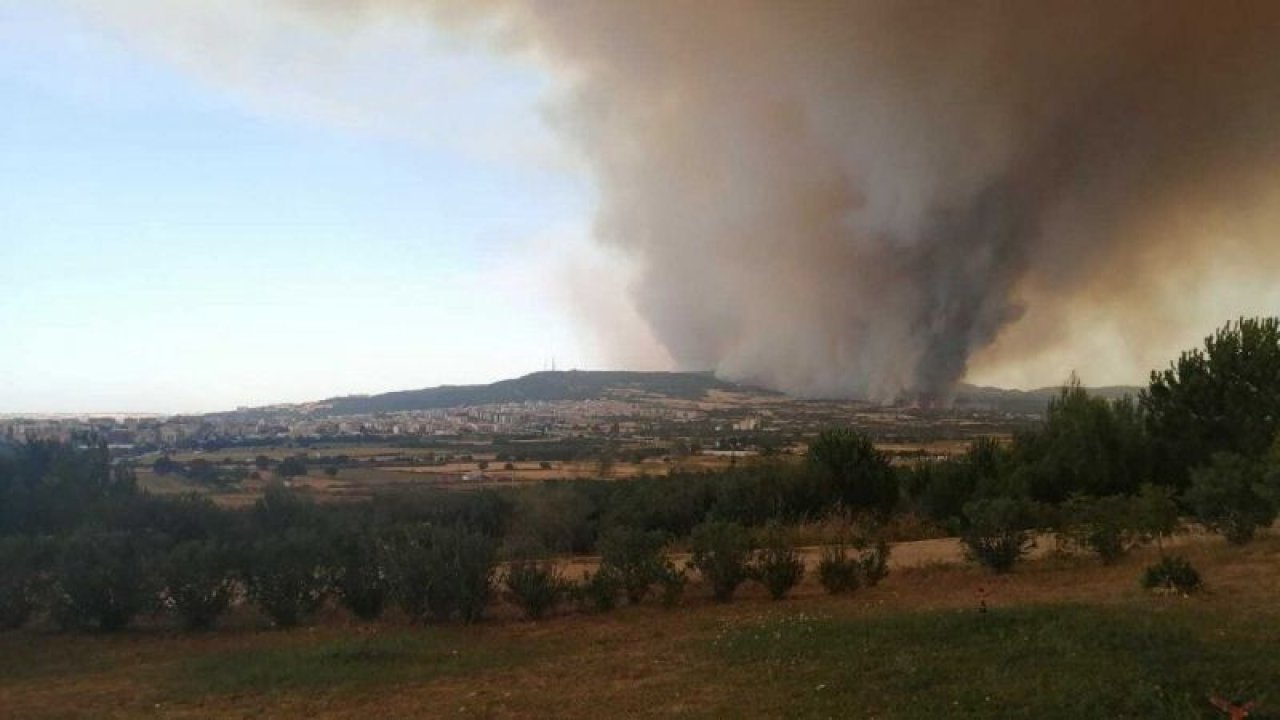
(442,572)
(102,579)
(1230,496)
(409,570)
(21,568)
(873,562)
(778,568)
(360,573)
(1155,513)
(288,576)
(465,562)
(1172,574)
(636,558)
(1107,526)
(720,554)
(997,534)
(198,583)
(598,590)
(534,586)
(672,582)
(838,571)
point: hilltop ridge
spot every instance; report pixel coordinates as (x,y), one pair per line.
(582,385)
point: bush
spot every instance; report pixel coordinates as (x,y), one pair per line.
(838,571)
(410,571)
(1172,574)
(636,558)
(21,565)
(534,586)
(466,563)
(198,583)
(599,590)
(874,562)
(778,568)
(1155,514)
(444,571)
(1230,496)
(859,474)
(288,576)
(1107,526)
(672,582)
(997,533)
(101,579)
(360,574)
(720,553)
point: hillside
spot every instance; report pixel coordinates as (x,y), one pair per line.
(1025,402)
(539,386)
(571,385)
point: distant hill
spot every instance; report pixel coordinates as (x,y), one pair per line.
(539,386)
(600,384)
(1025,402)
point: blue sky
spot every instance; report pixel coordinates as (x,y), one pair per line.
(173,239)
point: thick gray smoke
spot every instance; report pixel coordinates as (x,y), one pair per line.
(854,198)
(843,198)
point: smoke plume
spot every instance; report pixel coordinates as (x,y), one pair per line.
(844,198)
(855,198)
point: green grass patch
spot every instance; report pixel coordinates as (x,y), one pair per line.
(338,664)
(1060,661)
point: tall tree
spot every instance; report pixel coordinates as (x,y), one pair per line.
(859,473)
(1222,398)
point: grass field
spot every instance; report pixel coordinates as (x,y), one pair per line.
(1064,638)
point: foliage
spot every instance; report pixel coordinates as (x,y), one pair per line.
(292,466)
(874,562)
(102,579)
(288,575)
(1173,573)
(198,582)
(49,487)
(282,508)
(165,465)
(635,556)
(361,578)
(777,567)
(1108,526)
(1224,398)
(720,554)
(556,515)
(534,586)
(1155,513)
(21,570)
(838,571)
(997,532)
(410,570)
(672,583)
(859,473)
(598,590)
(443,572)
(1087,445)
(1230,496)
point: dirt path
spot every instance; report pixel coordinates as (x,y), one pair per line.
(914,553)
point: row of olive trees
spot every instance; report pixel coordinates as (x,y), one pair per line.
(104,579)
(1232,496)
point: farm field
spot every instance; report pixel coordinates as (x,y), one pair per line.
(1064,637)
(369,469)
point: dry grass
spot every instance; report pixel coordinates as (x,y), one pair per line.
(637,662)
